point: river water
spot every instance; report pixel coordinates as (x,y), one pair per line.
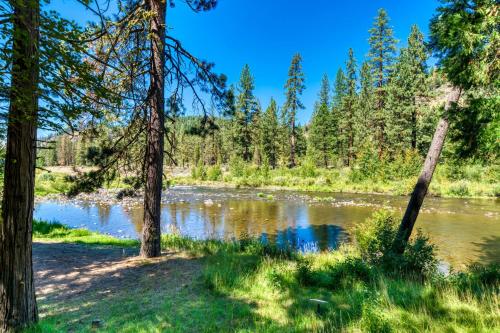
(464,230)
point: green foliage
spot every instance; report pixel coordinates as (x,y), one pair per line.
(53,231)
(246,107)
(51,183)
(321,130)
(214,173)
(465,36)
(279,285)
(375,238)
(307,168)
(199,172)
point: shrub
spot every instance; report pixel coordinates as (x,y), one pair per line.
(237,167)
(375,242)
(134,182)
(307,169)
(478,278)
(460,189)
(199,172)
(340,274)
(47,177)
(367,165)
(214,173)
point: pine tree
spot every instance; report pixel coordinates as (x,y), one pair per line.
(407,91)
(294,88)
(257,135)
(339,92)
(320,133)
(246,106)
(365,109)
(381,55)
(348,106)
(270,129)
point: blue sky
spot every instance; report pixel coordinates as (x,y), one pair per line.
(266,33)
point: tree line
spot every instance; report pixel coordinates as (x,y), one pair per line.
(385,107)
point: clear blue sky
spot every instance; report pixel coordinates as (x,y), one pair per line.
(266,33)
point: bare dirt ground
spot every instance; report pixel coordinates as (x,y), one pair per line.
(82,283)
(65,270)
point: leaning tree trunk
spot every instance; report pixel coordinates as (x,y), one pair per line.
(420,190)
(17,292)
(151,232)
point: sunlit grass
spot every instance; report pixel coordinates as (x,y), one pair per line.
(475,182)
(53,231)
(247,286)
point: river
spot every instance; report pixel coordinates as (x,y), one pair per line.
(464,230)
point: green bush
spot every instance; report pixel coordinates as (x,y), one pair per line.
(214,173)
(307,169)
(478,278)
(199,172)
(237,167)
(375,242)
(340,274)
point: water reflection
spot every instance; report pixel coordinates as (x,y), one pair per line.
(465,230)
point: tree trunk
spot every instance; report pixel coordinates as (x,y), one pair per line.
(293,143)
(420,190)
(151,232)
(414,126)
(17,292)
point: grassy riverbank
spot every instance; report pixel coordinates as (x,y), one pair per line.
(466,181)
(246,286)
(471,181)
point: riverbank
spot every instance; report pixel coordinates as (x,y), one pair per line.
(467,181)
(451,182)
(217,286)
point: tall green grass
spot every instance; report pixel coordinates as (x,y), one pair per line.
(248,286)
(397,177)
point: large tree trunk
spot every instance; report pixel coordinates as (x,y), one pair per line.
(151,232)
(17,292)
(420,190)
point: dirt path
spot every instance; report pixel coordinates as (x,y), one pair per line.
(68,277)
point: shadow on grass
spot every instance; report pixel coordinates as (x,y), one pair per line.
(78,284)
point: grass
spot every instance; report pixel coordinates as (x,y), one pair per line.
(465,181)
(246,286)
(56,232)
(47,183)
(51,183)
(472,181)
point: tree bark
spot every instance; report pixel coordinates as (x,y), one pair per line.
(17,292)
(151,232)
(293,142)
(420,190)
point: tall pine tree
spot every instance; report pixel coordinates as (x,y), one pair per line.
(381,55)
(270,129)
(365,109)
(246,106)
(339,92)
(320,133)
(294,88)
(348,106)
(407,91)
